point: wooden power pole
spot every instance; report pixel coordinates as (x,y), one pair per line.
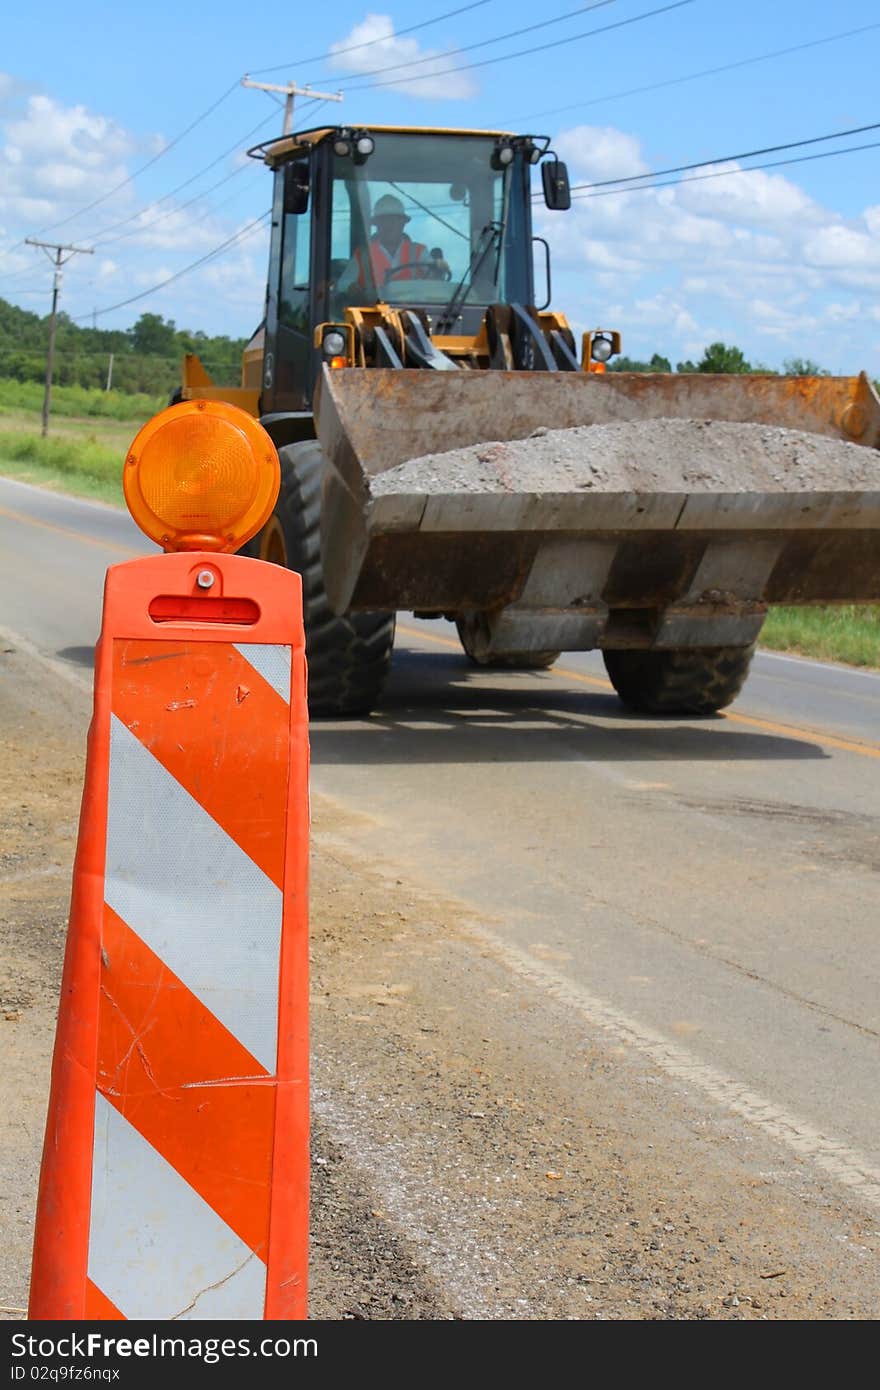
(289,91)
(58,260)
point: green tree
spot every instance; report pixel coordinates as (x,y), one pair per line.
(153,336)
(631,364)
(803,366)
(145,357)
(718,357)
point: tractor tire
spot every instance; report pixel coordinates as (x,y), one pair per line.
(701,681)
(348,656)
(469,627)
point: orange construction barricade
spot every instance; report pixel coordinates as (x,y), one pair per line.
(174,1181)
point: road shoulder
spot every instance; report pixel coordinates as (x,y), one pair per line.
(479,1152)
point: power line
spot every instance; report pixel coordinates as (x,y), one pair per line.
(529,52)
(233,149)
(692,76)
(484,43)
(728,158)
(18,274)
(323,57)
(730,173)
(179,207)
(224,245)
(150,162)
(317,106)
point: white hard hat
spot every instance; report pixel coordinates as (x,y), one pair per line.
(389,206)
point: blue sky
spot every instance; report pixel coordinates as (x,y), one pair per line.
(784,262)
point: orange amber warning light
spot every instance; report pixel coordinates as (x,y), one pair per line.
(201,475)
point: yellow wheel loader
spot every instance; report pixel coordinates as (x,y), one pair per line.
(446,447)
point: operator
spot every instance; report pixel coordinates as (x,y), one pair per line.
(390,249)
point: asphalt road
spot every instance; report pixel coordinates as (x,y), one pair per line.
(704,891)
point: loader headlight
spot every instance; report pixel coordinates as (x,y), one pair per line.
(201,475)
(342,147)
(365,144)
(333,343)
(601,348)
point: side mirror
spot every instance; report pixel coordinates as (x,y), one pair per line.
(296,187)
(557,192)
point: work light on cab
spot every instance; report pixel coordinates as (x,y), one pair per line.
(201,475)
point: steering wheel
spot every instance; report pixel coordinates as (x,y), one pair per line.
(420,270)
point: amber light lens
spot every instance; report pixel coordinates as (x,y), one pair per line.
(202,475)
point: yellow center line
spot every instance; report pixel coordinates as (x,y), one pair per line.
(68,531)
(596,681)
(815,736)
(867,750)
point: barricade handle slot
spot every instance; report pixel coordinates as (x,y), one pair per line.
(182,608)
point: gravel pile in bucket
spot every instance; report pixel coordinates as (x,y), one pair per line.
(657,455)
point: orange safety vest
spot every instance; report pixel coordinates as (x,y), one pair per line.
(381,262)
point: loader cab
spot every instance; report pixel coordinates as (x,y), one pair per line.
(437,222)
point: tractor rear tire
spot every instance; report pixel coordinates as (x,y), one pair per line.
(349,656)
(469,627)
(701,681)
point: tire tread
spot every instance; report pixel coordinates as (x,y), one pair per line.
(701,681)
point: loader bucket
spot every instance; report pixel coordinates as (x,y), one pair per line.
(676,511)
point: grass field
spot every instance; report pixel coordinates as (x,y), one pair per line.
(76,401)
(81,460)
(84,454)
(89,434)
(848,632)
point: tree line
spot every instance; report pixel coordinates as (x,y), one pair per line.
(719,357)
(146,357)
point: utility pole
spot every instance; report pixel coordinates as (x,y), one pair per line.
(58,260)
(289,91)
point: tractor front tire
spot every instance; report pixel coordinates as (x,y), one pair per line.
(701,681)
(348,655)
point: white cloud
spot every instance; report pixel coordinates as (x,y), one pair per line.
(54,160)
(777,320)
(740,258)
(842,247)
(54,157)
(387,50)
(599,152)
(871,218)
(844,313)
(661,309)
(167,229)
(746,194)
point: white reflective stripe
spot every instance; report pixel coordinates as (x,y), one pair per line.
(156,1248)
(197,900)
(271,661)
